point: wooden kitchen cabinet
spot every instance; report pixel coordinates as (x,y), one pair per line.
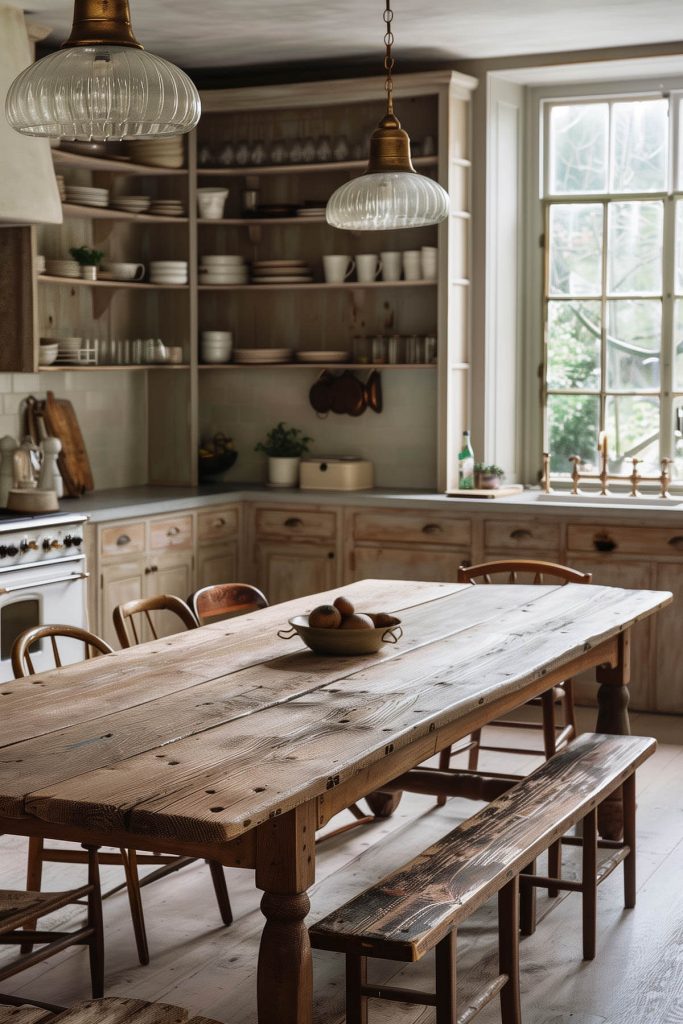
(217,564)
(404,563)
(293,570)
(668,672)
(119,582)
(523,538)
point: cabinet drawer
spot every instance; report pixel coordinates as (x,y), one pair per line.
(170,533)
(411,528)
(626,540)
(213,526)
(123,540)
(295,522)
(508,535)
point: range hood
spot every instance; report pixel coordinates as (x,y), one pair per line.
(28,188)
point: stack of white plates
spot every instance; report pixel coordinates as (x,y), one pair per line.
(87,196)
(167,207)
(334,356)
(168,272)
(131,204)
(222,270)
(61,186)
(163,152)
(281,272)
(262,355)
(68,349)
(311,211)
(62,268)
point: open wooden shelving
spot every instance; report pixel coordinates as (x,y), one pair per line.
(138,286)
(313,285)
(107,367)
(108,213)
(110,165)
(319,366)
(248,222)
(313,168)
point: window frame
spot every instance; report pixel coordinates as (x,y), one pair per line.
(540,102)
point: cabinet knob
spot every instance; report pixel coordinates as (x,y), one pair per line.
(520,534)
(122,540)
(431,528)
(220,522)
(676,542)
(293,522)
(173,531)
(330,554)
(604,543)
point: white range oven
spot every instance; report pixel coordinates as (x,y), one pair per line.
(42,582)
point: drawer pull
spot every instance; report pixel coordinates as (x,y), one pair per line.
(122,540)
(432,528)
(293,522)
(520,534)
(604,543)
(676,542)
(220,522)
(173,531)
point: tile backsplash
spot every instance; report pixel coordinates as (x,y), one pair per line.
(112,414)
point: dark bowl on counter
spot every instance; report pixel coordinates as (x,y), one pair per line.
(210,465)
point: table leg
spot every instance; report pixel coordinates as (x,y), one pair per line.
(285,869)
(613,718)
(383,805)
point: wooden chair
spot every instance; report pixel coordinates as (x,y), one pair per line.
(222,601)
(129,860)
(20,910)
(124,616)
(554,737)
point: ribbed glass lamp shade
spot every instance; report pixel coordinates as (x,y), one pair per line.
(385,200)
(102,92)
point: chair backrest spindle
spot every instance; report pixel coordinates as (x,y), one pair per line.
(22,663)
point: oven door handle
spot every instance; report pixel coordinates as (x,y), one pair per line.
(45,583)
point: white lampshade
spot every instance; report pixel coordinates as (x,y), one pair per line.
(384,200)
(102,92)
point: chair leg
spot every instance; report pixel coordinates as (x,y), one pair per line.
(130,866)
(444,765)
(96,944)
(508,952)
(554,866)
(34,878)
(473,759)
(221,890)
(548,708)
(629,799)
(356,978)
(569,710)
(589,891)
(446,979)
(527,902)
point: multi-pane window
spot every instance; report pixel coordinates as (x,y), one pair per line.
(613,309)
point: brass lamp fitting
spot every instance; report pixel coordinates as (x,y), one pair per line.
(389,147)
(101,23)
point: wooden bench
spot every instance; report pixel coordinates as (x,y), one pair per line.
(99,1011)
(419,907)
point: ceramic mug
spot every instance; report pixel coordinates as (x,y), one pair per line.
(126,271)
(211,202)
(428,261)
(412,264)
(338,268)
(368,266)
(391,266)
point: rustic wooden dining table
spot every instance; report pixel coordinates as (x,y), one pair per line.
(230,743)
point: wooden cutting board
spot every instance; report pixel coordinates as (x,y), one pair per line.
(74,465)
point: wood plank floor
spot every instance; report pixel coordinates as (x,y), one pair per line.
(636,978)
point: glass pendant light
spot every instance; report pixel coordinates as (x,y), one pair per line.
(390,194)
(102,84)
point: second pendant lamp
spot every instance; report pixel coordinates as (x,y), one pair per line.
(102,84)
(390,194)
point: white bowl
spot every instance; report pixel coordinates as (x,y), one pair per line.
(48,355)
(216,336)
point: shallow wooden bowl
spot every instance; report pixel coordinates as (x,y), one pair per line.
(344,642)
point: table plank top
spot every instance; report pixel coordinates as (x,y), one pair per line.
(204,735)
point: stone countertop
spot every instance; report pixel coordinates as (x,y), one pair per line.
(125,503)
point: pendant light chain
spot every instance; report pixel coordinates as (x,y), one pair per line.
(388,58)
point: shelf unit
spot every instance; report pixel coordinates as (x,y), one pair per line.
(311,315)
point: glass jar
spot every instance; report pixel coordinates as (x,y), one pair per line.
(361,349)
(429,354)
(395,349)
(379,349)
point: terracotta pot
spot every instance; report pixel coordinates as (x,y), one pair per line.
(488,482)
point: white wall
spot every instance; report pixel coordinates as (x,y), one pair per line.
(112,414)
(401,441)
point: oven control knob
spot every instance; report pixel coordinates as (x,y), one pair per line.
(48,544)
(3,551)
(28,545)
(70,541)
(12,550)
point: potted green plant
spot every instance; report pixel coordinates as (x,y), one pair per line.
(284,447)
(88,260)
(488,478)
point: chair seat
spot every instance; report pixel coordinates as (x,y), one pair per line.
(112,1010)
(18,907)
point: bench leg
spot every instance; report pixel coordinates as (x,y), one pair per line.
(508,952)
(356,978)
(629,798)
(589,882)
(446,980)
(527,902)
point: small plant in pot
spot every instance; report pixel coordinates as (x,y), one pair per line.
(284,447)
(488,478)
(88,260)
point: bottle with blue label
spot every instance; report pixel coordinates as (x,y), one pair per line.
(466,464)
